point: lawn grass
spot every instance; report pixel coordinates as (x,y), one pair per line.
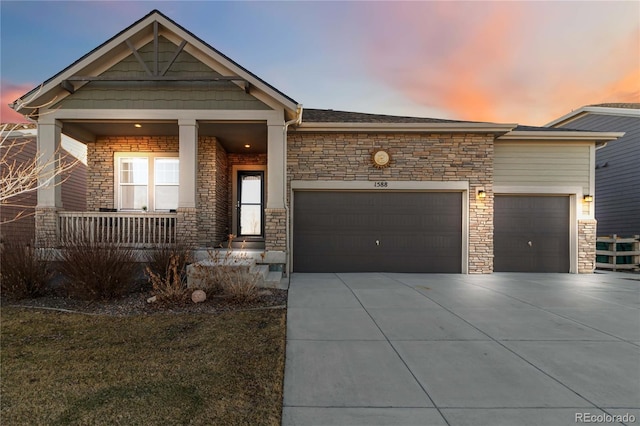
(59,368)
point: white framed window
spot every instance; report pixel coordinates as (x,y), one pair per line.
(146,181)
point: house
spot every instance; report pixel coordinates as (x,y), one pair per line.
(185,144)
(17,214)
(617,164)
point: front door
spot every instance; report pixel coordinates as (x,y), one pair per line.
(250,204)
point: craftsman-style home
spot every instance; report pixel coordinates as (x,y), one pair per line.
(186,145)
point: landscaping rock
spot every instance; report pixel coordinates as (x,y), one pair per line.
(198,296)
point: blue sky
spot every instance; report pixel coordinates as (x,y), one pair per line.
(525,62)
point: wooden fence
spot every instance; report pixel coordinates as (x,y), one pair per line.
(127,229)
(622,253)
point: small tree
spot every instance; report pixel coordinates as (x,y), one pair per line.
(22,177)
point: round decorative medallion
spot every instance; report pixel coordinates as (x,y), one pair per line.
(381,158)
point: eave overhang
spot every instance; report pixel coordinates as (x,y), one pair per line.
(553,136)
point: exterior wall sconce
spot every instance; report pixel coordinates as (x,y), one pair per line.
(481,193)
(588,198)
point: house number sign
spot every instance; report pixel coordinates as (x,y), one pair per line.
(381,184)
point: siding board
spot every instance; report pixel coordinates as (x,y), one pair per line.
(541,165)
(617,197)
(159,94)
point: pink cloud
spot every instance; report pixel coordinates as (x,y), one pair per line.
(9,93)
(508,62)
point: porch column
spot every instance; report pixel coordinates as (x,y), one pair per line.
(275,213)
(186,214)
(275,167)
(50,193)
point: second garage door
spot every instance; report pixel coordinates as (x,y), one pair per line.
(531,233)
(377,231)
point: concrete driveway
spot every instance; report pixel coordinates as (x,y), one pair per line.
(501,349)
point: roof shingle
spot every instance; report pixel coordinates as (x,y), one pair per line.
(332,116)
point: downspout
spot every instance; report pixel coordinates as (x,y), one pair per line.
(296,120)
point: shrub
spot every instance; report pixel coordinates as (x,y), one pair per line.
(229,274)
(23,272)
(93,271)
(240,285)
(170,286)
(162,256)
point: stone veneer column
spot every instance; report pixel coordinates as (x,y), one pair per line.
(275,229)
(586,245)
(187,225)
(50,195)
(275,213)
(46,220)
(481,229)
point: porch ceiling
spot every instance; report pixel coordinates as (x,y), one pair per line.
(232,135)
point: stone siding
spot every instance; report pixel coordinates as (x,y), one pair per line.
(586,245)
(100,163)
(46,231)
(276,229)
(207,227)
(186,226)
(212,217)
(414,157)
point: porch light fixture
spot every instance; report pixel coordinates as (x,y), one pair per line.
(247,146)
(588,198)
(137,125)
(481,193)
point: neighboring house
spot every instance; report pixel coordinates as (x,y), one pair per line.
(617,195)
(184,144)
(17,214)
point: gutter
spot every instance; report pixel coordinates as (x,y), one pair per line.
(296,120)
(406,127)
(561,135)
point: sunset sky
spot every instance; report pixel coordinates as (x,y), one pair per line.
(511,62)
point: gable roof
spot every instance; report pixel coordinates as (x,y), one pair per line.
(51,88)
(618,105)
(617,109)
(332,120)
(333,116)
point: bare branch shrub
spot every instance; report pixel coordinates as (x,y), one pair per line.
(162,255)
(171,286)
(23,274)
(93,271)
(39,171)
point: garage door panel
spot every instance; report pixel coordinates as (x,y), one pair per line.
(377,232)
(531,233)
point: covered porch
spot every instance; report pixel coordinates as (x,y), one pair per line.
(186,181)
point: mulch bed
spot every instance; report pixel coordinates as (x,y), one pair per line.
(136,304)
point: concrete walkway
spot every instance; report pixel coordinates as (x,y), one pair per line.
(501,349)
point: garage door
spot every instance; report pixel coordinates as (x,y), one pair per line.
(531,234)
(377,231)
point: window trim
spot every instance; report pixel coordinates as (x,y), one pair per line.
(151,185)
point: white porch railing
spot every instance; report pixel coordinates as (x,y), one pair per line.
(128,229)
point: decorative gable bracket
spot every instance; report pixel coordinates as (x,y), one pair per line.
(154,74)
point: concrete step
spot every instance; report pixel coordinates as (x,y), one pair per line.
(266,278)
(273,279)
(262,271)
